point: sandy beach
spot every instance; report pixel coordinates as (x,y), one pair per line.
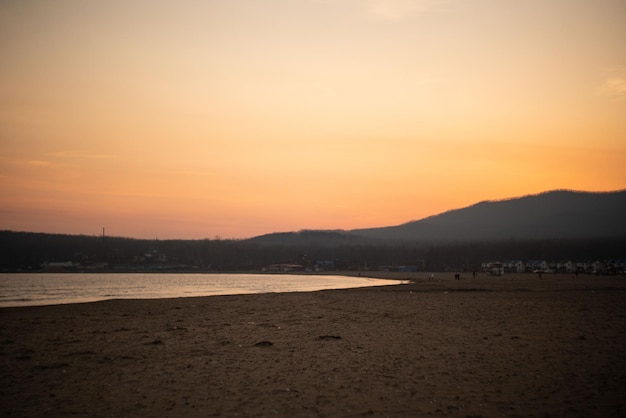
(515,346)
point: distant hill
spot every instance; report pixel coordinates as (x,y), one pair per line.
(323,238)
(560,214)
(558,225)
(556,214)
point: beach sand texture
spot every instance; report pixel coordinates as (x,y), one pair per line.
(514,346)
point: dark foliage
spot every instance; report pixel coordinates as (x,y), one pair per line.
(28,251)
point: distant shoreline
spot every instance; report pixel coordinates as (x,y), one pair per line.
(37,289)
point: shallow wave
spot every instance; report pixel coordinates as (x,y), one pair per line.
(24,289)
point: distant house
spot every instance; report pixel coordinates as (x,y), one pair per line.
(564,266)
(284,268)
(322,265)
(536,265)
(493,268)
(514,266)
(598,267)
(581,267)
(59,266)
(567,266)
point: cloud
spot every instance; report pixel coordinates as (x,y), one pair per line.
(388,9)
(614,86)
(399,9)
(19,162)
(78,154)
(37,163)
(193,173)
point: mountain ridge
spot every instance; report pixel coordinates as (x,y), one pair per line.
(507,199)
(560,213)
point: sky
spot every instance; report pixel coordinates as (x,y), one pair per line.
(231,119)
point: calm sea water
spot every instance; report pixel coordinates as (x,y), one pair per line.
(23,289)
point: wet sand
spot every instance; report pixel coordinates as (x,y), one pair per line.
(514,346)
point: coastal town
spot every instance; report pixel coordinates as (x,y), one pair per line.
(152,263)
(605,267)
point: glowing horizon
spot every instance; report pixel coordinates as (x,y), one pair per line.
(236,119)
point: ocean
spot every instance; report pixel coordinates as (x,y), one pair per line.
(30,289)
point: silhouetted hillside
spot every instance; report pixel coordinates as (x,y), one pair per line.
(552,215)
(557,214)
(322,238)
(550,226)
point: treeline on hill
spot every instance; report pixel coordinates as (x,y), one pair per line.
(21,251)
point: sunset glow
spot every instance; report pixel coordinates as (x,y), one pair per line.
(196,119)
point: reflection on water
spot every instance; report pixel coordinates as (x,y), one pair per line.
(25,289)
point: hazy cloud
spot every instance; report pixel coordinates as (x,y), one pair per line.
(193,173)
(399,9)
(389,9)
(38,163)
(614,85)
(52,160)
(9,164)
(78,154)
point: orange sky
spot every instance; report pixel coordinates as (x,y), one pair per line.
(196,119)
